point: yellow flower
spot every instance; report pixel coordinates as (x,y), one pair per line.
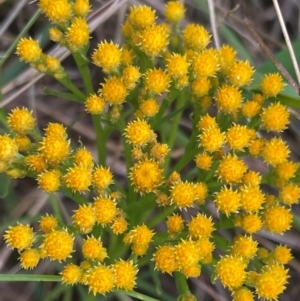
(58,244)
(200,86)
(174,11)
(251,223)
(21,121)
(28,50)
(84,158)
(177,65)
(238,137)
(277,219)
(183,195)
(200,226)
(275,117)
(71,274)
(256,146)
(127,29)
(252,178)
(191,271)
(159,151)
(8,148)
(195,37)
(203,161)
(102,177)
(100,279)
(275,151)
(162,199)
(29,258)
(93,249)
(138,132)
(251,198)
(119,225)
(127,57)
(244,246)
(48,223)
(227,200)
(81,7)
(240,73)
(289,194)
(154,40)
(49,180)
(211,139)
(36,163)
(141,16)
(175,224)
(243,294)
(105,209)
(58,11)
(149,107)
(157,81)
(55,129)
(250,109)
(204,248)
(19,237)
(200,192)
(228,99)
(231,169)
(84,218)
(205,64)
(107,56)
(282,254)
(131,75)
(125,274)
(186,253)
(165,260)
(272,84)
(286,170)
(231,271)
(113,91)
(226,56)
(78,34)
(56,35)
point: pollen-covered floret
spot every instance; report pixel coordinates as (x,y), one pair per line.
(78,178)
(71,274)
(205,63)
(36,163)
(105,209)
(19,237)
(275,151)
(49,180)
(200,226)
(226,56)
(244,246)
(231,271)
(93,249)
(29,258)
(183,194)
(252,198)
(149,107)
(174,11)
(200,86)
(8,148)
(165,260)
(275,117)
(58,11)
(228,200)
(195,37)
(54,129)
(175,224)
(272,84)
(100,279)
(125,274)
(186,253)
(240,73)
(131,75)
(157,80)
(113,90)
(250,108)
(243,294)
(289,194)
(58,244)
(238,137)
(84,158)
(203,161)
(102,177)
(48,223)
(78,34)
(211,139)
(28,50)
(251,223)
(177,65)
(141,16)
(21,121)
(23,143)
(84,218)
(146,176)
(81,7)
(282,254)
(138,132)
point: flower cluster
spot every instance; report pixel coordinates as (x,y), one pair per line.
(158,64)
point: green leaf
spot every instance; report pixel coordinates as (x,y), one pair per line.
(68,96)
(221,242)
(29,278)
(5,185)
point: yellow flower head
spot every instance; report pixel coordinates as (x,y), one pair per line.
(100,279)
(125,274)
(93,249)
(162,199)
(49,180)
(84,158)
(282,254)
(105,209)
(71,274)
(94,104)
(205,248)
(81,8)
(107,56)
(272,84)
(21,121)
(48,223)
(231,271)
(127,57)
(55,129)
(205,64)
(286,171)
(157,81)
(141,235)
(275,151)
(159,151)
(149,107)
(227,200)
(28,50)
(211,139)
(175,224)
(182,82)
(19,237)
(289,194)
(240,73)
(127,30)
(252,178)
(131,75)
(78,178)
(138,132)
(228,99)
(78,34)
(84,218)
(8,148)
(252,198)
(201,86)
(165,260)
(256,146)
(251,223)
(58,11)
(177,65)
(183,194)
(139,249)
(200,226)
(102,177)
(174,11)
(36,163)
(238,137)
(29,258)
(243,294)
(200,192)
(55,34)
(58,244)
(195,37)
(203,161)
(53,64)
(119,225)
(113,91)
(244,246)
(250,108)
(191,271)
(226,56)
(154,40)
(277,219)
(275,117)
(186,253)
(231,169)
(141,16)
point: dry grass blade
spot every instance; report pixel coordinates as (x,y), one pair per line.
(213,23)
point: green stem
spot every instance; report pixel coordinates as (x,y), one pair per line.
(29,278)
(139,296)
(181,283)
(100,139)
(161,216)
(55,207)
(69,85)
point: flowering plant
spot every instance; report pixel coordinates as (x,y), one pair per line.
(168,214)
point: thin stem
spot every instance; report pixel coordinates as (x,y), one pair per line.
(181,283)
(139,296)
(69,85)
(100,139)
(287,40)
(55,207)
(29,278)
